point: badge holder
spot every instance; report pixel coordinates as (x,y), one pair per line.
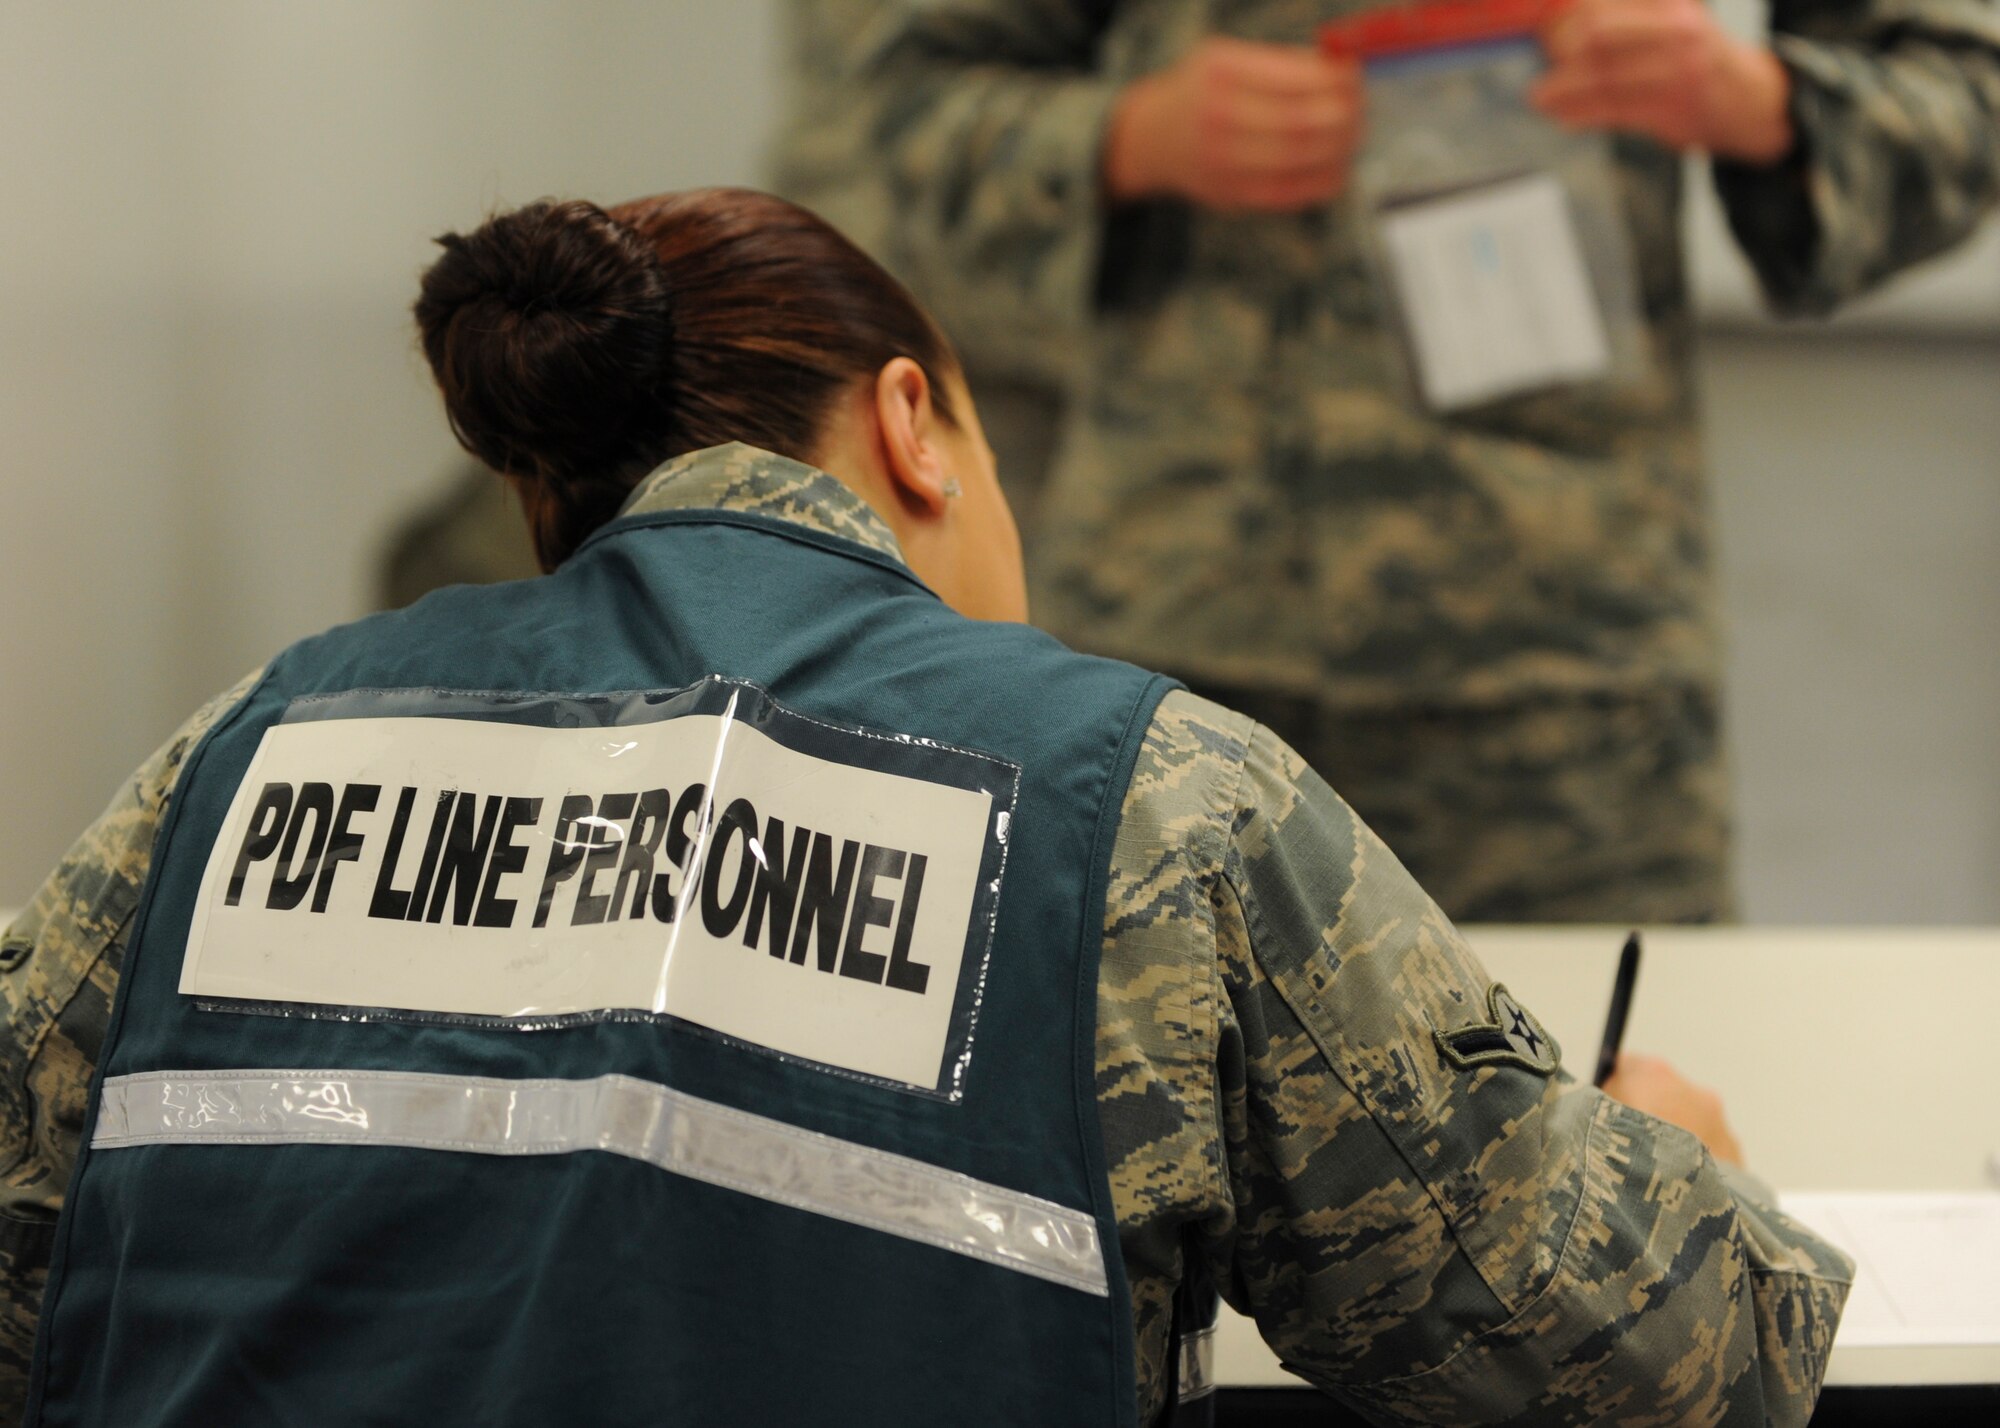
(1496,239)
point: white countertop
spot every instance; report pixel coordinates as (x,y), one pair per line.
(1847,1058)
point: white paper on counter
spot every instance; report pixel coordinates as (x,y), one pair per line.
(1927,1265)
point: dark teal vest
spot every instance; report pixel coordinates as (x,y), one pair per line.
(220,1284)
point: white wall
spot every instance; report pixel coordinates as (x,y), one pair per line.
(214,216)
(211,407)
(1857,484)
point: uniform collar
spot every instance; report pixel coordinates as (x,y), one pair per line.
(736,477)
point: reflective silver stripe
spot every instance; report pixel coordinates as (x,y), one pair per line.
(624,1116)
(1197,1363)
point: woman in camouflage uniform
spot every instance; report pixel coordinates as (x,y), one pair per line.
(1306,1090)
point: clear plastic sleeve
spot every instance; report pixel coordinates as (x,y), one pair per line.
(1497,240)
(810,890)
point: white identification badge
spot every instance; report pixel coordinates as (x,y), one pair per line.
(821,892)
(1495,292)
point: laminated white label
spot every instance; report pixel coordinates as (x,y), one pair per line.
(692,867)
(1495,291)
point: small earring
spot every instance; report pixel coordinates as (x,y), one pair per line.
(952,489)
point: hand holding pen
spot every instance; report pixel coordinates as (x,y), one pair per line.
(1621,1003)
(1651,1085)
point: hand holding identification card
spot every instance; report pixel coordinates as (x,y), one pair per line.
(1496,239)
(1495,292)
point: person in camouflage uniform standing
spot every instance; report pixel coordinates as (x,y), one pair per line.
(1495,630)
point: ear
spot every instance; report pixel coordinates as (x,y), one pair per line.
(910,428)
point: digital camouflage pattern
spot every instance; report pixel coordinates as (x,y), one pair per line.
(1582,808)
(1238,494)
(1434,1246)
(736,477)
(1897,100)
(59,966)
(474,533)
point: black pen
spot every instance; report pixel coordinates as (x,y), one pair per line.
(1621,1003)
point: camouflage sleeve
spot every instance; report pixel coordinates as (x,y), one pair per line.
(1897,108)
(58,970)
(1432,1221)
(958,141)
(1160,1009)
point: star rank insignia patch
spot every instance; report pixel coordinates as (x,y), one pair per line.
(1513,1037)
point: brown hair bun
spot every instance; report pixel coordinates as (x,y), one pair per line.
(550,331)
(577,349)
